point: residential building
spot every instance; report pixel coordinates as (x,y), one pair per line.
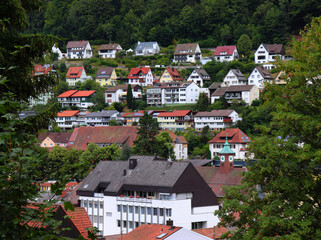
(81,99)
(237,140)
(67,119)
(132,118)
(170,75)
(122,195)
(187,52)
(119,93)
(281,78)
(226,53)
(214,86)
(259,77)
(79,50)
(55,49)
(106,76)
(100,118)
(200,77)
(178,120)
(216,119)
(142,76)
(147,48)
(76,74)
(102,136)
(180,92)
(246,93)
(180,146)
(267,53)
(235,77)
(109,50)
(51,139)
(154,96)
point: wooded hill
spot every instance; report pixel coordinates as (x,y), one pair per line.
(209,22)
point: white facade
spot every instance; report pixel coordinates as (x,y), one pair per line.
(232,79)
(185,56)
(109,53)
(196,78)
(82,78)
(263,56)
(184,93)
(181,151)
(147,48)
(42,98)
(238,148)
(111,97)
(257,79)
(215,122)
(116,214)
(143,79)
(67,122)
(224,57)
(80,52)
(55,49)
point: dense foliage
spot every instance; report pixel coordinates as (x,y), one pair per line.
(211,22)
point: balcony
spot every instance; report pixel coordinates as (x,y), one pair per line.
(227,120)
(133,199)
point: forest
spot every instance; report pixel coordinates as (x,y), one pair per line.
(208,22)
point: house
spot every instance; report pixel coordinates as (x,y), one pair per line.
(216,119)
(226,53)
(170,75)
(267,53)
(142,76)
(109,50)
(214,86)
(200,77)
(154,96)
(76,74)
(147,48)
(81,99)
(281,78)
(235,77)
(106,76)
(180,146)
(259,76)
(100,118)
(178,120)
(158,231)
(79,50)
(119,93)
(132,118)
(67,119)
(55,49)
(187,52)
(237,139)
(102,136)
(51,139)
(246,93)
(141,191)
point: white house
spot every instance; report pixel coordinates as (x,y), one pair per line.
(200,77)
(76,74)
(55,49)
(79,50)
(147,48)
(119,196)
(67,119)
(81,99)
(267,53)
(142,76)
(187,52)
(109,50)
(180,92)
(226,53)
(235,77)
(237,139)
(119,93)
(216,119)
(100,118)
(259,76)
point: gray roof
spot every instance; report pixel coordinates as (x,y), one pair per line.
(238,74)
(234,88)
(203,74)
(215,85)
(143,45)
(215,113)
(199,162)
(108,113)
(264,72)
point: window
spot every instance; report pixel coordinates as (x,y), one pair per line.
(169,212)
(95,219)
(130,209)
(143,210)
(118,223)
(161,212)
(101,205)
(85,204)
(136,224)
(118,208)
(100,219)
(155,211)
(96,205)
(149,211)
(230,158)
(124,208)
(222,158)
(90,205)
(137,209)
(124,224)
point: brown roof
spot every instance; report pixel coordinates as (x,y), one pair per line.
(203,74)
(57,137)
(214,113)
(76,44)
(234,135)
(264,72)
(215,85)
(104,72)
(275,48)
(108,46)
(82,136)
(234,88)
(185,49)
(114,89)
(238,74)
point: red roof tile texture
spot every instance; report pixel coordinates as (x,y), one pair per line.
(80,219)
(70,113)
(39,70)
(137,71)
(67,94)
(174,74)
(234,135)
(213,233)
(224,50)
(83,93)
(74,72)
(176,113)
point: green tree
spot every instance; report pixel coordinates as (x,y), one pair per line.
(165,146)
(244,45)
(287,170)
(202,102)
(129,97)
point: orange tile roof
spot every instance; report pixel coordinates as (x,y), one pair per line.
(68,113)
(150,232)
(234,135)
(41,70)
(174,74)
(67,94)
(136,71)
(74,72)
(176,113)
(83,93)
(213,233)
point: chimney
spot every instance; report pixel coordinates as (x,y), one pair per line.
(132,163)
(169,223)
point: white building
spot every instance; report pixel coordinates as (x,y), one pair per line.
(187,52)
(100,118)
(119,196)
(67,119)
(147,48)
(180,92)
(119,93)
(142,76)
(200,77)
(55,49)
(76,74)
(81,99)
(226,53)
(259,76)
(216,119)
(267,53)
(109,50)
(79,50)
(234,77)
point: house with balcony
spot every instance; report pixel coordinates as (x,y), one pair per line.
(200,77)
(267,53)
(106,76)
(147,48)
(259,76)
(226,53)
(170,75)
(109,50)
(180,92)
(237,140)
(246,93)
(76,74)
(131,118)
(100,118)
(235,77)
(142,76)
(118,93)
(154,96)
(187,52)
(79,50)
(67,119)
(81,99)
(216,119)
(178,120)
(122,195)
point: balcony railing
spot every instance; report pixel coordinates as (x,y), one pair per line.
(133,199)
(227,120)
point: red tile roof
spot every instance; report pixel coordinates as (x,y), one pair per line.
(149,232)
(176,113)
(68,113)
(136,71)
(213,233)
(82,136)
(174,74)
(74,72)
(83,93)
(67,94)
(224,50)
(39,70)
(234,135)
